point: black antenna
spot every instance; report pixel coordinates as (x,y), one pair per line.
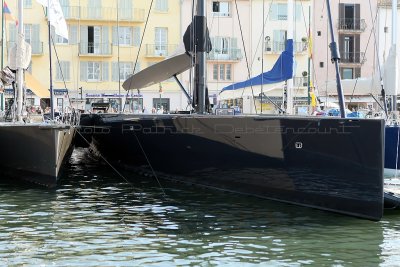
(200,23)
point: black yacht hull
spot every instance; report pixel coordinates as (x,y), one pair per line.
(326,163)
(34,152)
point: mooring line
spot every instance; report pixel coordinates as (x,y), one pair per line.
(109,164)
(148,162)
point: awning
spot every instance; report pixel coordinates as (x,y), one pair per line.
(36,87)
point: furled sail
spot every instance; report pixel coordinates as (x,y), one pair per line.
(281,71)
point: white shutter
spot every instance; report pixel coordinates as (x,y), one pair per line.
(115,35)
(84,40)
(136,36)
(35,40)
(115,72)
(73,34)
(83,70)
(104,71)
(105,45)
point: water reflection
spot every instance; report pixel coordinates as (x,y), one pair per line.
(94,218)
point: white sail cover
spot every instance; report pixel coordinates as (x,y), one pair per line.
(359,86)
(20,60)
(391,72)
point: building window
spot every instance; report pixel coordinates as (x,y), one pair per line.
(93,71)
(62,71)
(278,12)
(347,73)
(321,64)
(27,3)
(222,72)
(161,41)
(125,70)
(124,35)
(350,73)
(221,9)
(319,33)
(162,5)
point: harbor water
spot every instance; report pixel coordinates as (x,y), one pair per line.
(96,218)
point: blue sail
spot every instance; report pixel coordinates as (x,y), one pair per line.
(281,71)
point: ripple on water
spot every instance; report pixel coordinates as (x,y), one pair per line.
(93,219)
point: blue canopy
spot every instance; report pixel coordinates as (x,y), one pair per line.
(281,71)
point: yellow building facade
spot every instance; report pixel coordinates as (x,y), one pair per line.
(107,41)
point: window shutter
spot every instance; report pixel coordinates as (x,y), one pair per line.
(83,70)
(73,34)
(233,48)
(104,71)
(115,35)
(105,46)
(84,40)
(115,72)
(67,71)
(274,12)
(341,12)
(136,36)
(218,44)
(36,46)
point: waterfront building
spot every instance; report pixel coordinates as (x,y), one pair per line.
(354,32)
(101,52)
(227,63)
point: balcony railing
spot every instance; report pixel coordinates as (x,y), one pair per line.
(37,47)
(279,47)
(103,13)
(95,49)
(353,25)
(160,50)
(226,54)
(352,57)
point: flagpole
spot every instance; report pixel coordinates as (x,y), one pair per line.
(20,71)
(51,68)
(2,49)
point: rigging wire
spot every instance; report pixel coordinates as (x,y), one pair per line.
(245,53)
(140,47)
(374,21)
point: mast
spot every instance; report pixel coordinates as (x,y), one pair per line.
(289,85)
(394,47)
(20,71)
(335,58)
(200,22)
(51,67)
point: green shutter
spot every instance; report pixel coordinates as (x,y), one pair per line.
(73,34)
(105,43)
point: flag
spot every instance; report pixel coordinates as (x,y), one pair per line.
(56,17)
(7,13)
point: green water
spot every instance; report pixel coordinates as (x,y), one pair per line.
(94,218)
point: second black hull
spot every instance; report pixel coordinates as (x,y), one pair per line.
(331,164)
